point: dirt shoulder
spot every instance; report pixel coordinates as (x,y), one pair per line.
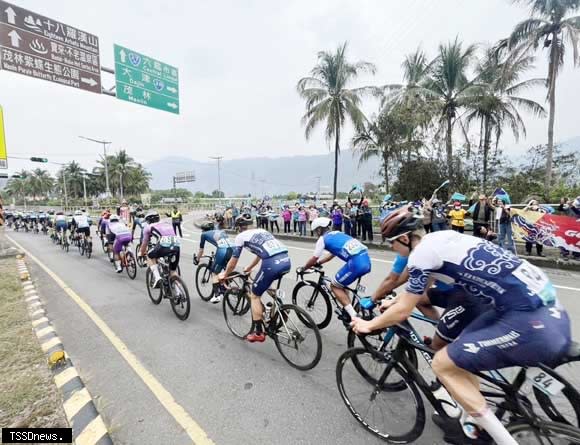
(28,395)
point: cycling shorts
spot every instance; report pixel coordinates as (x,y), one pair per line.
(271,270)
(158,251)
(110,238)
(356,267)
(222,256)
(85,230)
(498,340)
(460,310)
(121,240)
(61,225)
(103,229)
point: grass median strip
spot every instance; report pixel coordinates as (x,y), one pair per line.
(28,395)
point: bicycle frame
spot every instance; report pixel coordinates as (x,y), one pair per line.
(323,283)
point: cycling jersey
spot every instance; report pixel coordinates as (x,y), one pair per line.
(348,249)
(339,244)
(219,239)
(60,222)
(399,264)
(260,242)
(160,233)
(481,268)
(42,216)
(117,228)
(81,221)
(121,235)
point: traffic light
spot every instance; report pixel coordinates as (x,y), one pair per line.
(33,159)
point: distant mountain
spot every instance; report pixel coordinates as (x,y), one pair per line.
(269,176)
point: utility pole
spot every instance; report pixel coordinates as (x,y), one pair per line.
(218,159)
(317,188)
(108,189)
(85,189)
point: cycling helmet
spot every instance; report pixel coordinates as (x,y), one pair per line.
(51,212)
(114,218)
(400,222)
(78,213)
(69,214)
(152,217)
(245,219)
(320,222)
(207,226)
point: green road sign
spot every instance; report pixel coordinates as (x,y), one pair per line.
(146,81)
(33,159)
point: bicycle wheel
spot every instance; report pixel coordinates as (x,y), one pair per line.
(89,248)
(156,295)
(563,407)
(393,416)
(296,336)
(141,262)
(545,432)
(130,265)
(180,302)
(237,312)
(314,300)
(379,342)
(203,282)
(104,245)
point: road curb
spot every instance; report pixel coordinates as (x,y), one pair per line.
(538,261)
(88,427)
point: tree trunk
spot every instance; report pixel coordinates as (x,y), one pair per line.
(386,167)
(552,98)
(486,148)
(336,151)
(449,146)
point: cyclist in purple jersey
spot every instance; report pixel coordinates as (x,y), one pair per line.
(275,262)
(162,242)
(119,235)
(526,326)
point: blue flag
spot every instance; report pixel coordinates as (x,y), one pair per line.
(503,195)
(458,197)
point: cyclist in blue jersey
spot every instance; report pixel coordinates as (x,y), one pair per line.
(526,326)
(348,249)
(275,262)
(218,239)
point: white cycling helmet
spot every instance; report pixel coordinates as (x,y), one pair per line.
(114,218)
(78,213)
(320,222)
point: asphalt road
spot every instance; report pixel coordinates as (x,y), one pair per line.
(235,392)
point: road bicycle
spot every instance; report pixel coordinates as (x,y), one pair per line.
(86,246)
(64,240)
(316,297)
(294,332)
(172,287)
(127,259)
(380,387)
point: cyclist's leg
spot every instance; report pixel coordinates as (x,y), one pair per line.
(355,268)
(117,249)
(152,255)
(498,340)
(222,256)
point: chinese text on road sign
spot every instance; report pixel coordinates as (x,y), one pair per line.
(36,46)
(146,81)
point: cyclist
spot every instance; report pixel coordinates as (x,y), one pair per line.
(527,325)
(69,222)
(275,262)
(118,236)
(9,217)
(104,222)
(351,251)
(138,220)
(42,217)
(219,239)
(33,220)
(82,225)
(51,223)
(60,225)
(26,220)
(164,244)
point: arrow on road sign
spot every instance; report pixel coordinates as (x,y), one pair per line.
(172,89)
(123,55)
(14,38)
(89,81)
(11,15)
(172,105)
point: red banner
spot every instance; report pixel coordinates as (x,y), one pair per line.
(547,229)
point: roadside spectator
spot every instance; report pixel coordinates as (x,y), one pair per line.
(176,219)
(302,217)
(228,215)
(506,239)
(323,211)
(533,206)
(264,217)
(287,217)
(273,217)
(482,214)
(457,215)
(427,216)
(235,214)
(312,215)
(337,218)
(124,212)
(295,217)
(438,217)
(346,218)
(366,217)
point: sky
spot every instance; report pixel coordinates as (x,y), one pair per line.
(239,62)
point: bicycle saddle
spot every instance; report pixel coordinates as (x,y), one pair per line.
(573,352)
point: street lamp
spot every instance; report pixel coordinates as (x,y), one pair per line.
(108,191)
(218,159)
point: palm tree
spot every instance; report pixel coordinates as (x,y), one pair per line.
(121,164)
(329,100)
(19,185)
(550,25)
(42,182)
(496,104)
(74,179)
(137,180)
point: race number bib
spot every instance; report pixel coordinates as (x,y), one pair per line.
(536,282)
(273,247)
(353,247)
(169,241)
(224,243)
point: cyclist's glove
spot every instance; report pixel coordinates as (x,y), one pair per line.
(367,303)
(195,260)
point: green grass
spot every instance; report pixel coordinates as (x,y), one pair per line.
(28,395)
